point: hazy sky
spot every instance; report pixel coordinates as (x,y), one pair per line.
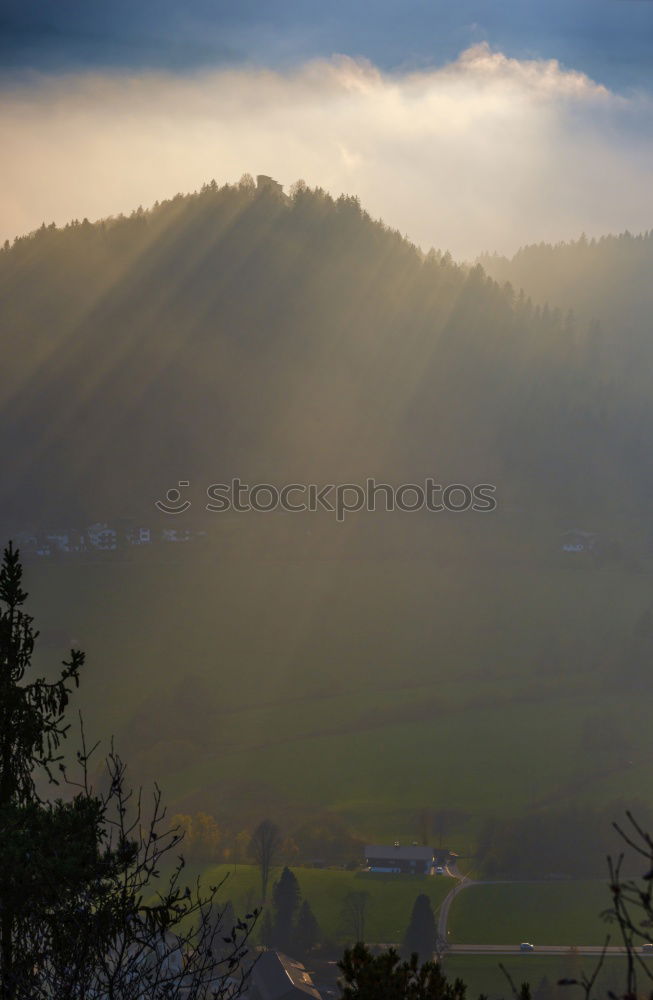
(467,125)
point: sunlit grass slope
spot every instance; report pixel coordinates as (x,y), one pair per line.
(389,905)
(562,913)
(367,687)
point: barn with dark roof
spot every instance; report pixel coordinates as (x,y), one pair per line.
(410,860)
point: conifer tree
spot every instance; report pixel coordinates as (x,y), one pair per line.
(286,897)
(307,930)
(80,915)
(420,934)
(386,977)
(32,727)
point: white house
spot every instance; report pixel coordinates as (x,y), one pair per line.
(575,540)
(102,537)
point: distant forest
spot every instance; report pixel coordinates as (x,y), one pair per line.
(242,332)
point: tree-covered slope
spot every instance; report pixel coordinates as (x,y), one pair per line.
(239,332)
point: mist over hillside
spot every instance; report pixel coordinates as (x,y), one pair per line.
(241,332)
(326,575)
(292,664)
(607,280)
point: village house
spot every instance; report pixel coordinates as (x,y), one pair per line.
(575,540)
(102,537)
(138,536)
(277,977)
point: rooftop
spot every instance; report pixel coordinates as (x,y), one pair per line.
(411,853)
(276,975)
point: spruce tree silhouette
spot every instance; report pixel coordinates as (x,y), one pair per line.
(83,909)
(420,934)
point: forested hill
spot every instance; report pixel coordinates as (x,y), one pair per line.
(607,279)
(241,332)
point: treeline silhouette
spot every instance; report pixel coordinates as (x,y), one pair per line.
(241,332)
(570,841)
(607,279)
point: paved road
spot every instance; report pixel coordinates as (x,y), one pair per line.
(462,882)
(540,949)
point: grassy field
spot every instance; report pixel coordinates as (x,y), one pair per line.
(563,913)
(390,902)
(482,975)
(367,687)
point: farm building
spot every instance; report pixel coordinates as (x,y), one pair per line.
(410,860)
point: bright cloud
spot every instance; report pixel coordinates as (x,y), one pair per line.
(487,152)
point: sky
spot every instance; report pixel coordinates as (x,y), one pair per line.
(469,125)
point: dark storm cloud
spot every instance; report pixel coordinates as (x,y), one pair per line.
(73,34)
(611,40)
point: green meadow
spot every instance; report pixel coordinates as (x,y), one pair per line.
(466,675)
(389,905)
(553,913)
(483,975)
